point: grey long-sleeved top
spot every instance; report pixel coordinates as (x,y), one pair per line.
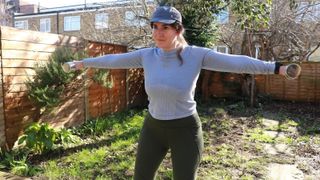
(170,85)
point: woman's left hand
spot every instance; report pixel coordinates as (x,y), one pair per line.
(290,71)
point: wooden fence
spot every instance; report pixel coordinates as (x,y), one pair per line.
(304,89)
(21,50)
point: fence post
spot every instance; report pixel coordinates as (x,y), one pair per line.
(86,99)
(127,89)
(3,139)
(257,46)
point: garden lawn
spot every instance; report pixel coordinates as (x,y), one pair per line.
(233,138)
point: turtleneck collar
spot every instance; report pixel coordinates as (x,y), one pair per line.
(169,54)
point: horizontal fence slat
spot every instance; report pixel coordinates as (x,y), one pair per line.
(27,46)
(18,80)
(305,88)
(16,63)
(8,72)
(9,33)
(16,88)
(22,54)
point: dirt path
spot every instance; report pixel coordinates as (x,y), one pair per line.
(285,171)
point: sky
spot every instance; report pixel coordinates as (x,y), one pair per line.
(57,3)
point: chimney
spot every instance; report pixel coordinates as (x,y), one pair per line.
(29,8)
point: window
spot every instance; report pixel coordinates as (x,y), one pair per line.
(21,24)
(222,49)
(223,17)
(130,16)
(101,21)
(133,19)
(72,23)
(45,25)
(308,11)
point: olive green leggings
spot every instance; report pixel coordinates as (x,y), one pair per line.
(184,139)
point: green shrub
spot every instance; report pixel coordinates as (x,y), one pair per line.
(40,138)
(37,138)
(50,79)
(94,127)
(44,96)
(65,136)
(16,162)
(103,77)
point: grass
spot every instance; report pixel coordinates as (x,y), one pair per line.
(258,135)
(233,138)
(114,158)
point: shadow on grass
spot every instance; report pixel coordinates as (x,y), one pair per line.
(305,115)
(61,152)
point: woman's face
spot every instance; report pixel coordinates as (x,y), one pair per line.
(165,36)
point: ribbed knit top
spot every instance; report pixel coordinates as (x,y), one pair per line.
(170,84)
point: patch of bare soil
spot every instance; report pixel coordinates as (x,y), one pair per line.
(307,116)
(239,117)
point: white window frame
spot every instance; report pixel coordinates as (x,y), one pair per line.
(101,21)
(72,23)
(21,24)
(45,25)
(223,17)
(217,48)
(129,18)
(132,19)
(317,8)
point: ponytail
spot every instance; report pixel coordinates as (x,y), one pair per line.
(179,27)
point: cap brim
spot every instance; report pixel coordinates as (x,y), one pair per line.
(165,21)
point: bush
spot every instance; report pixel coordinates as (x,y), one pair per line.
(103,77)
(16,162)
(41,138)
(50,80)
(38,139)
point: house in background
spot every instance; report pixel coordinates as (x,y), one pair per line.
(222,18)
(124,22)
(119,21)
(7,9)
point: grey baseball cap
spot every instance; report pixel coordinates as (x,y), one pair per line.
(166,14)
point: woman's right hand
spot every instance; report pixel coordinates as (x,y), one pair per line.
(78,65)
(73,65)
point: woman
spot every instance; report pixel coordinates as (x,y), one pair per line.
(171,71)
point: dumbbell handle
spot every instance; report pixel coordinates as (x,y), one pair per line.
(298,69)
(69,66)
